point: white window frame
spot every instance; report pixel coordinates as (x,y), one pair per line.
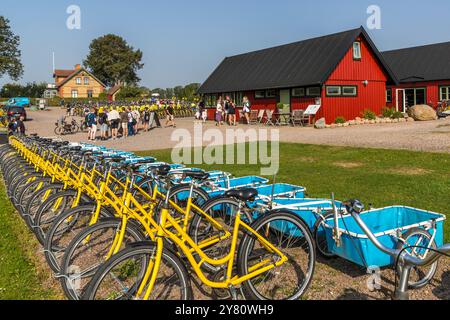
(78,80)
(353,94)
(387,90)
(308,92)
(259,96)
(444,90)
(269,95)
(74,94)
(86,81)
(357,54)
(298,95)
(339,91)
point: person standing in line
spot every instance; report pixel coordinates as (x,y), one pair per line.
(231,113)
(130,122)
(12,126)
(114,121)
(92,124)
(226,108)
(247,108)
(146,119)
(219,112)
(124,122)
(170,122)
(136,119)
(21,125)
(103,123)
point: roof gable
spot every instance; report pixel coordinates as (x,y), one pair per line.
(424,63)
(308,62)
(76,72)
(62,73)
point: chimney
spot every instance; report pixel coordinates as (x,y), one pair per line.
(77,66)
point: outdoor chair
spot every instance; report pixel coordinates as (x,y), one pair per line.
(254,117)
(299,118)
(241,117)
(261,116)
(269,121)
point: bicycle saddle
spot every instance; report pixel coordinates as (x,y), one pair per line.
(162,170)
(196,175)
(113,159)
(243,194)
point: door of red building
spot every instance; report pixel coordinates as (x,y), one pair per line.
(400,100)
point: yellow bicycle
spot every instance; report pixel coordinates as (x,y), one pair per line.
(272,258)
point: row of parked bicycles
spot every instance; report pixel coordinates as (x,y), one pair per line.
(117,226)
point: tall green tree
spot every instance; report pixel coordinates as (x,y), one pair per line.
(10,54)
(113,61)
(30,90)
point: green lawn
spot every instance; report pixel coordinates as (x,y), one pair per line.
(18,276)
(377,177)
(380,177)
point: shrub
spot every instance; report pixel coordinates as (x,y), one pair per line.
(369,115)
(397,115)
(388,112)
(340,120)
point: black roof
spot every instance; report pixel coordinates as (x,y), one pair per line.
(304,63)
(424,63)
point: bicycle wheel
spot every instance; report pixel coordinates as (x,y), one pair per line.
(289,234)
(224,211)
(20,184)
(180,195)
(64,229)
(59,131)
(420,276)
(74,128)
(120,277)
(320,236)
(36,201)
(88,250)
(27,193)
(49,210)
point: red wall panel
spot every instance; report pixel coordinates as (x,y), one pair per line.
(354,72)
(432,91)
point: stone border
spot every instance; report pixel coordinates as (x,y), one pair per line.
(360,121)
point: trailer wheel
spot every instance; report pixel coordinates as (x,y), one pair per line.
(420,276)
(320,237)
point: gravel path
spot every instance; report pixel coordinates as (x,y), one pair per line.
(433,136)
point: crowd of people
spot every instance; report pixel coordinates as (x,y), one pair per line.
(121,122)
(16,125)
(226,111)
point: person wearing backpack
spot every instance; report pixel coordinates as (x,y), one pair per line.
(103,123)
(247,109)
(146,119)
(92,125)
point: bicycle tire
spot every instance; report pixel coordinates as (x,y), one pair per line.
(133,231)
(244,251)
(141,249)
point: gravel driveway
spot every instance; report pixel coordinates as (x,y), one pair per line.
(433,136)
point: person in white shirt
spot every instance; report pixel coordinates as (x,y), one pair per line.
(219,112)
(114,121)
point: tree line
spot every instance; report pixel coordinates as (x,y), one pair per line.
(111,59)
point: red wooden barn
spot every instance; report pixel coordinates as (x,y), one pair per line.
(343,72)
(423,74)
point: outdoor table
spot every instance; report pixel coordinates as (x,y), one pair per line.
(282,118)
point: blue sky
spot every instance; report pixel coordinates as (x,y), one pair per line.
(183,41)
